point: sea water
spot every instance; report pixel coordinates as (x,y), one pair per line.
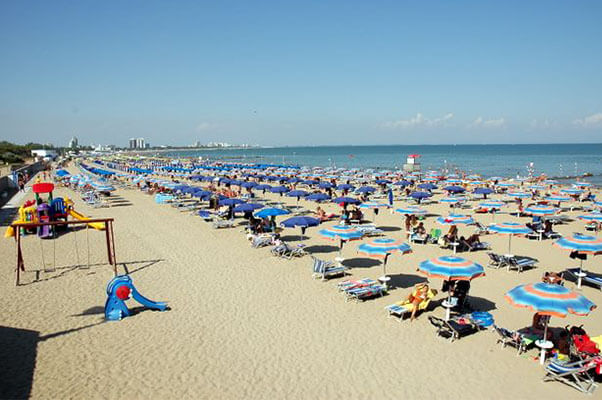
(555,160)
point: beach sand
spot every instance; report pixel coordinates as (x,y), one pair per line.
(244,324)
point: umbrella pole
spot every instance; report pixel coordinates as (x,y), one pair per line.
(544,344)
(509,244)
(580,274)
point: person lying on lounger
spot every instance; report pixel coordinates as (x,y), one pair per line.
(417,296)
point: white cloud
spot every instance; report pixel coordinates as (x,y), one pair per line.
(205,126)
(419,121)
(480,122)
(592,121)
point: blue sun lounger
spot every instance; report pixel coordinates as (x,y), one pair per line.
(588,278)
(366,292)
(575,374)
(326,269)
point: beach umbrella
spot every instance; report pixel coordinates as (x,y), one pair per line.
(311,182)
(519,195)
(280,189)
(366,189)
(583,244)
(427,186)
(571,191)
(452,200)
(483,191)
(403,183)
(541,210)
(271,212)
(342,233)
(492,204)
(455,219)
(303,222)
(549,299)
(230,202)
(373,205)
(263,187)
(325,185)
(410,210)
(247,207)
(506,184)
(346,200)
(510,229)
(318,197)
(453,180)
(537,187)
(420,195)
(582,184)
(557,198)
(382,181)
(248,185)
(594,216)
(202,194)
(345,186)
(451,268)
(297,193)
(454,189)
(381,248)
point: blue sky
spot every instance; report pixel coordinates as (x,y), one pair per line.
(295,73)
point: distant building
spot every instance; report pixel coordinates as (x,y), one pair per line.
(45,154)
(73,143)
(147,145)
(140,143)
(132,143)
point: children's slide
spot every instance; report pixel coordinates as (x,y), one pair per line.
(96,225)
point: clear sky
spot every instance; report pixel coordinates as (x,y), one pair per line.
(306,72)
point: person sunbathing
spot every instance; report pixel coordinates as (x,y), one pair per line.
(552,278)
(321,214)
(417,296)
(420,232)
(452,235)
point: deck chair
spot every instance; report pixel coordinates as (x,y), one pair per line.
(588,278)
(434,235)
(283,250)
(222,223)
(354,284)
(481,229)
(326,269)
(515,339)
(496,261)
(575,374)
(405,307)
(519,263)
(262,241)
(364,293)
(368,230)
(455,328)
(476,246)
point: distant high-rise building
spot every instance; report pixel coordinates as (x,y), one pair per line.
(73,144)
(140,143)
(132,143)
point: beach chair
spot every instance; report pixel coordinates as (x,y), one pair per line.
(519,263)
(496,261)
(364,293)
(283,250)
(434,235)
(405,307)
(368,230)
(590,278)
(515,339)
(476,246)
(262,241)
(481,229)
(222,223)
(455,328)
(354,284)
(326,269)
(205,215)
(575,374)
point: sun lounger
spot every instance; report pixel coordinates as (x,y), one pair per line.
(496,261)
(354,284)
(262,241)
(368,230)
(222,223)
(475,246)
(405,307)
(588,278)
(515,339)
(455,328)
(434,235)
(364,293)
(575,374)
(285,251)
(326,269)
(519,263)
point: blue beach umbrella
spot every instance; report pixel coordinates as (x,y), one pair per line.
(541,210)
(381,248)
(410,210)
(571,191)
(318,197)
(342,233)
(247,207)
(345,186)
(280,189)
(452,200)
(230,202)
(373,205)
(366,189)
(262,187)
(455,219)
(519,195)
(583,244)
(451,268)
(549,299)
(271,212)
(492,204)
(510,229)
(325,185)
(483,190)
(427,186)
(420,195)
(403,183)
(454,189)
(302,222)
(346,200)
(594,216)
(557,198)
(248,185)
(297,193)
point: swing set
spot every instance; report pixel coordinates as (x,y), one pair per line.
(109,236)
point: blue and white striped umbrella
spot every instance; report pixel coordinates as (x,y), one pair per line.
(410,210)
(541,210)
(451,268)
(492,204)
(381,247)
(581,243)
(571,191)
(452,200)
(373,205)
(595,216)
(549,299)
(582,184)
(510,229)
(557,198)
(519,195)
(455,219)
(506,184)
(342,232)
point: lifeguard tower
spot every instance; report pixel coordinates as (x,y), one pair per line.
(412,164)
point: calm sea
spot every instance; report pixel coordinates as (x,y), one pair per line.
(555,160)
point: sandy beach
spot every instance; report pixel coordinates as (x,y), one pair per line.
(245,324)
